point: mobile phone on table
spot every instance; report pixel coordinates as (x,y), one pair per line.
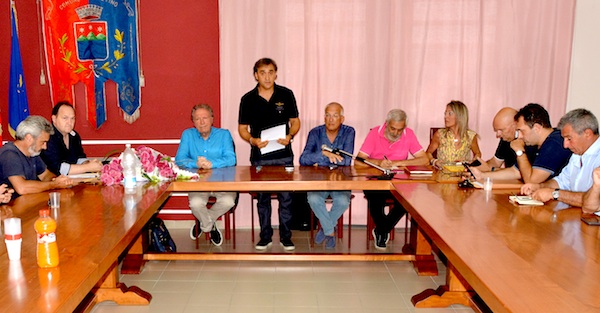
(475,163)
(466,165)
(591,219)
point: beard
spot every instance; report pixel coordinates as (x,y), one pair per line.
(392,138)
(32,152)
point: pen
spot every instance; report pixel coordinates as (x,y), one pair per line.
(385,157)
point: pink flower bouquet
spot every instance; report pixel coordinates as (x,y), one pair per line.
(155,167)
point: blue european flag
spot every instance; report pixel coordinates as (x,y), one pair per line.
(18,107)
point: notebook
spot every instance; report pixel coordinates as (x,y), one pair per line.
(525,200)
(421,170)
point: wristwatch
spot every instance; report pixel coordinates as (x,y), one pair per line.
(519,153)
(291,138)
(556,194)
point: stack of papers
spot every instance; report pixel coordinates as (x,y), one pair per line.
(525,200)
(418,170)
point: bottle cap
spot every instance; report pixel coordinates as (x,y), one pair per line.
(45,212)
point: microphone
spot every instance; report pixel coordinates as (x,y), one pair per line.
(387,174)
(326,148)
(339,152)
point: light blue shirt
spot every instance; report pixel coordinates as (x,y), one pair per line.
(218,148)
(575,177)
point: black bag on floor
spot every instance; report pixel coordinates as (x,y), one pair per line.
(160,239)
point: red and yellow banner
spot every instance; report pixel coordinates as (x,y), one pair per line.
(91,42)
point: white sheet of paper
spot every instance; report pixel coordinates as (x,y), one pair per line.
(272,134)
(84,175)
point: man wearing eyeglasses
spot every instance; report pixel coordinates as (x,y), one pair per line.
(335,135)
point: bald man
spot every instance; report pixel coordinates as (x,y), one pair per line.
(534,129)
(505,127)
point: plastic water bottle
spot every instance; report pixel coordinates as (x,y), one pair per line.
(47,248)
(129,164)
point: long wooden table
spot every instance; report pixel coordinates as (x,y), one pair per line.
(516,258)
(302,178)
(476,231)
(276,178)
(96,225)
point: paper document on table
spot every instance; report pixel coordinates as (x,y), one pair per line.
(477,184)
(272,134)
(525,200)
(418,170)
(84,175)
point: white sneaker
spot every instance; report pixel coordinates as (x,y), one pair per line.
(195,233)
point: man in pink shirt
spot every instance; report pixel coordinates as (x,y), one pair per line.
(389,146)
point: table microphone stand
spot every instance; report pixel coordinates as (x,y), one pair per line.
(387,174)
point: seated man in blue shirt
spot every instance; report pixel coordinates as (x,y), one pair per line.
(534,128)
(334,135)
(205,147)
(579,128)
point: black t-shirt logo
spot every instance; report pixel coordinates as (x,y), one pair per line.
(279,107)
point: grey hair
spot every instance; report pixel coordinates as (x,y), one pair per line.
(33,125)
(396,115)
(580,120)
(335,103)
(202,106)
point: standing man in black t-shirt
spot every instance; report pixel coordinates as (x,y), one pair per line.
(263,107)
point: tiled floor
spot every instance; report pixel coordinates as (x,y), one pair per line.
(269,286)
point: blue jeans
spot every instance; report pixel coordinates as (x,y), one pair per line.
(285,205)
(328,219)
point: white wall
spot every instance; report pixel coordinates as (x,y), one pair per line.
(584,83)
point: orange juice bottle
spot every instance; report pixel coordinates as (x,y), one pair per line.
(47,249)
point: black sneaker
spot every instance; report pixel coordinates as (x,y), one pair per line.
(215,236)
(263,244)
(195,232)
(287,244)
(380,241)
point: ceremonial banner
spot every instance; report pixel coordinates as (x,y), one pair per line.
(92,41)
(18,107)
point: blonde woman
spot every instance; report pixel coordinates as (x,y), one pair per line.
(455,142)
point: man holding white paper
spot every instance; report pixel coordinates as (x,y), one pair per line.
(261,109)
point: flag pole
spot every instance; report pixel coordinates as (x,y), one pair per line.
(41,41)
